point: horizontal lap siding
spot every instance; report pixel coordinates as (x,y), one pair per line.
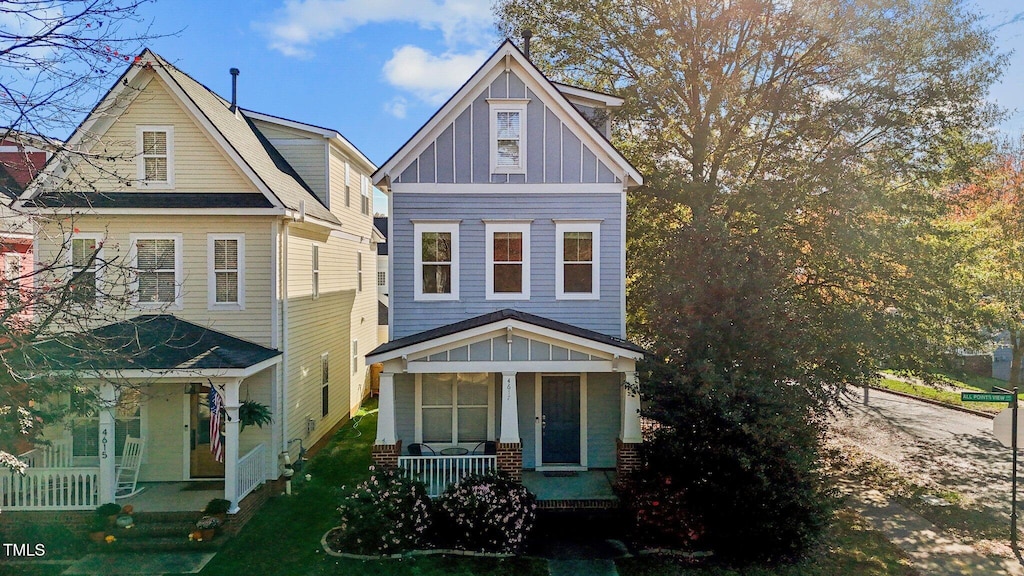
(308,161)
(200,164)
(603,417)
(411,316)
(165,417)
(405,408)
(253,323)
(525,385)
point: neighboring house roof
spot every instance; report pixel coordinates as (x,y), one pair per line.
(328,133)
(197,200)
(233,130)
(155,343)
(381,224)
(462,98)
(388,349)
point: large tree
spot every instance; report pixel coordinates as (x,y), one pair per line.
(787,240)
(56,58)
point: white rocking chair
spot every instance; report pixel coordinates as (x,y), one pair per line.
(128,471)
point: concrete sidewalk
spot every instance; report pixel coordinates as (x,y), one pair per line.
(932,551)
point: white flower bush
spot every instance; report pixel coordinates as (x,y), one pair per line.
(487,513)
(384,514)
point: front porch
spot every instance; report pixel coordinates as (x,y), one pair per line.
(589,489)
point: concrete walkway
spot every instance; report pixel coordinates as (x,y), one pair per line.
(583,558)
(931,550)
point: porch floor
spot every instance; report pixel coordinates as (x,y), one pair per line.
(173,496)
(589,488)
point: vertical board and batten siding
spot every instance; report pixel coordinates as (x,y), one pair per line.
(604,413)
(327,324)
(200,165)
(253,323)
(410,316)
(461,152)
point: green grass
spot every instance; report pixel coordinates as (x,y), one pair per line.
(850,549)
(923,390)
(284,536)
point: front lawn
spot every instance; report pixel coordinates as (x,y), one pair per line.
(946,389)
(284,536)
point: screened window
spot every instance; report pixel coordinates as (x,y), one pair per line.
(455,407)
(226,254)
(157,270)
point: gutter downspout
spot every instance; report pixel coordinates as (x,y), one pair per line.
(277,434)
(284,336)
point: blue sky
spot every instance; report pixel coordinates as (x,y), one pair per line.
(375,70)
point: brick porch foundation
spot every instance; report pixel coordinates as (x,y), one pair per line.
(386,455)
(627,458)
(510,459)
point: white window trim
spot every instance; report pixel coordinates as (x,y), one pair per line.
(325,382)
(314,272)
(382,278)
(491,228)
(133,257)
(365,202)
(538,395)
(418,411)
(348,187)
(355,356)
(140,161)
(561,227)
(359,272)
(419,228)
(507,105)
(211,272)
(99,239)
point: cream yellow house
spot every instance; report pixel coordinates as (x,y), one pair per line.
(243,244)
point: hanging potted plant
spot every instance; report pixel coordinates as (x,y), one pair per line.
(252,413)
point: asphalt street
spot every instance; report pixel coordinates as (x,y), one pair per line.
(952,449)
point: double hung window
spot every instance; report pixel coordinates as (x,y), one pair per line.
(436,260)
(158,269)
(577,250)
(455,408)
(508,260)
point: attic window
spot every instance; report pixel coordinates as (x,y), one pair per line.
(508,142)
(156,156)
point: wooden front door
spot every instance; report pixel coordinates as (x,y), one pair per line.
(203,464)
(560,419)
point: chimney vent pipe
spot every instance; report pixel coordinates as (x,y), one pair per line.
(234,88)
(527,34)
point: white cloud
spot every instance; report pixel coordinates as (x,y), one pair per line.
(396,107)
(300,24)
(429,77)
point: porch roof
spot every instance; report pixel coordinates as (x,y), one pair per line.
(153,343)
(396,348)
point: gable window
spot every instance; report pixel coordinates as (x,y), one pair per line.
(365,190)
(455,408)
(578,266)
(156,156)
(316,271)
(436,254)
(158,270)
(508,144)
(225,257)
(86,253)
(324,384)
(508,260)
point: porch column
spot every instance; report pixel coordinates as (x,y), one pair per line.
(510,446)
(107,444)
(627,456)
(509,409)
(231,443)
(387,447)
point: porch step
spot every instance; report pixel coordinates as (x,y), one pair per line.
(159,532)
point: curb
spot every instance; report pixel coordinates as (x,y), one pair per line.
(987,415)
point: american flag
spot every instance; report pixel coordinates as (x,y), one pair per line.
(216,441)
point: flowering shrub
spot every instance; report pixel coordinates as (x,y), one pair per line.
(489,513)
(384,514)
(658,512)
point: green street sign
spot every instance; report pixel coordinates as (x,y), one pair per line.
(985,397)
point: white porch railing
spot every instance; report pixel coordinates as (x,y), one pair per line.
(252,470)
(437,472)
(56,455)
(50,489)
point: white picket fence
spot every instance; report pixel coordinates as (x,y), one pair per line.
(251,470)
(437,472)
(50,489)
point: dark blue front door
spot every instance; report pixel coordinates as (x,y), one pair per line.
(560,420)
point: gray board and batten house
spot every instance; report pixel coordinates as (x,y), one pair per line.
(507,285)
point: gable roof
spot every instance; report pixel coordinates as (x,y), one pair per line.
(396,348)
(233,130)
(154,343)
(461,98)
(381,224)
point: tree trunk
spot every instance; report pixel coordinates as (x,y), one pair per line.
(1017,344)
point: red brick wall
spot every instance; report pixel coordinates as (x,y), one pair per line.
(510,460)
(386,455)
(627,458)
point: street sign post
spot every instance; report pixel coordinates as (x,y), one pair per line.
(1006,430)
(985,397)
